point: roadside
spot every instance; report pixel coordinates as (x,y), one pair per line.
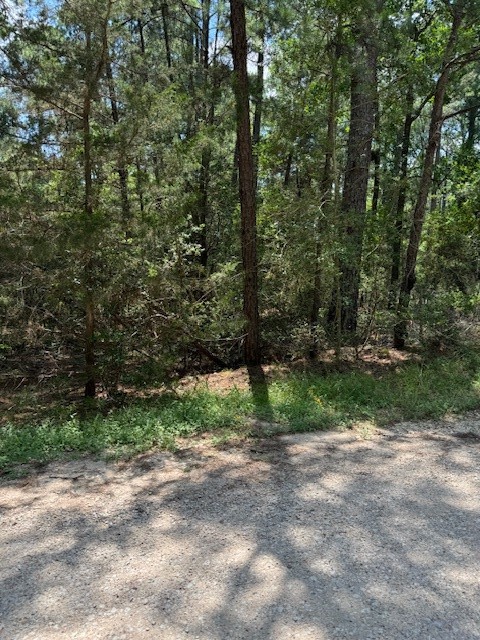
(230,406)
(369,534)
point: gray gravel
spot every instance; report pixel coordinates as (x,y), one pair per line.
(365,534)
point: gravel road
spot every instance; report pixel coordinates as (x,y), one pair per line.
(319,536)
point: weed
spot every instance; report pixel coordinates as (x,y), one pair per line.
(297,402)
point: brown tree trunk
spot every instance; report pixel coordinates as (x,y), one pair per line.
(203,205)
(376,181)
(246,183)
(326,198)
(257,116)
(399,212)
(122,170)
(90,384)
(472,127)
(200,218)
(166,36)
(288,170)
(354,199)
(92,77)
(234,179)
(436,120)
(139,187)
(435,179)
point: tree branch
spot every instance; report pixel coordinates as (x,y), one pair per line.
(461,111)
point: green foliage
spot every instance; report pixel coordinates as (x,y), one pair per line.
(165,189)
(297,402)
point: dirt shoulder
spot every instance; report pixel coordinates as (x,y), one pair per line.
(365,534)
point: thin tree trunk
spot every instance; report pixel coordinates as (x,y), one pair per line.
(298,182)
(234,179)
(205,36)
(166,37)
(246,183)
(436,120)
(435,179)
(92,77)
(139,187)
(288,170)
(142,37)
(90,384)
(139,172)
(122,170)
(376,181)
(203,204)
(257,116)
(402,168)
(472,127)
(376,158)
(326,198)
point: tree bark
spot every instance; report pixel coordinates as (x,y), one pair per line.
(166,37)
(354,199)
(327,180)
(122,170)
(401,166)
(90,384)
(435,179)
(288,170)
(472,126)
(436,120)
(257,116)
(246,183)
(92,77)
(234,178)
(200,219)
(376,181)
(203,205)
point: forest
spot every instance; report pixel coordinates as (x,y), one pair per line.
(195,185)
(239,319)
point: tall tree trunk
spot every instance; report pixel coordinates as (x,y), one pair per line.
(288,170)
(141,36)
(327,180)
(122,170)
(246,183)
(376,181)
(90,384)
(472,126)
(139,186)
(259,88)
(139,171)
(166,37)
(92,77)
(401,167)
(234,178)
(205,35)
(376,158)
(436,120)
(354,199)
(203,204)
(435,178)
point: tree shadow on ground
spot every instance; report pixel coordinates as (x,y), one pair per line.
(259,389)
(311,537)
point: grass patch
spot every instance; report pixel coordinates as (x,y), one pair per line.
(297,402)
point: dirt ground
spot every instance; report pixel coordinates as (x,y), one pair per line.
(365,534)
